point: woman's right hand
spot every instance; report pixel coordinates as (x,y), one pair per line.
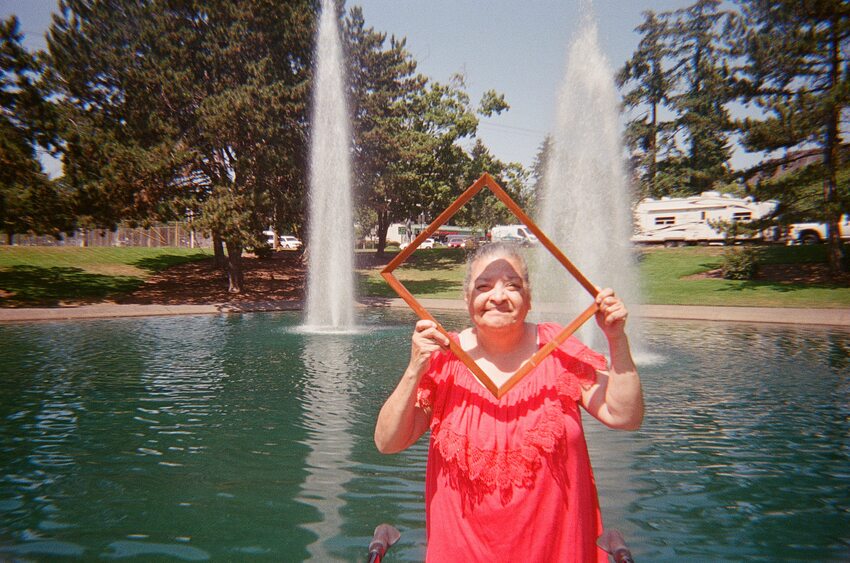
(426,340)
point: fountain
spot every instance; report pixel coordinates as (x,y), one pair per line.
(585,202)
(330,278)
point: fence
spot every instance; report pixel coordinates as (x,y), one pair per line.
(169,234)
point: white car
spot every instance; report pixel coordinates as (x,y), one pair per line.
(289,243)
(427,243)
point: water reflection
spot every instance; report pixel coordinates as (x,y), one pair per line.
(237,437)
(743,446)
(327,400)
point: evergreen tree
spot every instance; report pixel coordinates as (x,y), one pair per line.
(797,71)
(485,210)
(173,104)
(383,84)
(647,136)
(699,57)
(438,168)
(29,202)
(408,160)
(538,171)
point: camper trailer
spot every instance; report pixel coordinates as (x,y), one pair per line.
(689,220)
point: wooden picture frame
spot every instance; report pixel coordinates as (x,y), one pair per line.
(487,181)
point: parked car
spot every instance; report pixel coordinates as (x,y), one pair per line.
(289,242)
(427,243)
(456,241)
(504,233)
(513,239)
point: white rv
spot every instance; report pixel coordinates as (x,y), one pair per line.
(512,233)
(688,220)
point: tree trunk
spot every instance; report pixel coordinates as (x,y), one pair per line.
(383,227)
(830,157)
(653,152)
(218,250)
(235,278)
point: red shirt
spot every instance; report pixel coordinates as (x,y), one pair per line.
(510,479)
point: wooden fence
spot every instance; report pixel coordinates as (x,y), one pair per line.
(174,234)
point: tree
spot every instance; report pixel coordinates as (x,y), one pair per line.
(408,161)
(699,56)
(485,210)
(437,168)
(29,201)
(797,72)
(383,84)
(647,136)
(173,105)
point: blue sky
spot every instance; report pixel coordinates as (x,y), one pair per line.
(515,47)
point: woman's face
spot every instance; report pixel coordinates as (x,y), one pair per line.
(498,297)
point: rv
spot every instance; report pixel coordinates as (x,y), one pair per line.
(689,220)
(512,233)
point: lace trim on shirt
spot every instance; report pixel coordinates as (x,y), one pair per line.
(502,469)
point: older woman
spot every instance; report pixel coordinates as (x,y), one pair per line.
(510,478)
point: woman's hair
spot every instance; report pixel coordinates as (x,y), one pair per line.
(491,250)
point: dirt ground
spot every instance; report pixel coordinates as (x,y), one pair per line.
(282,277)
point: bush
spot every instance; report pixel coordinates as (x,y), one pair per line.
(740,263)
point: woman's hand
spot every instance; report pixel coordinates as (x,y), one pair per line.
(612,314)
(400,422)
(616,399)
(426,340)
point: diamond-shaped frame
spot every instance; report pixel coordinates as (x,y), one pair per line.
(487,181)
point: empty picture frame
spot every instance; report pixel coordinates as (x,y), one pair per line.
(487,181)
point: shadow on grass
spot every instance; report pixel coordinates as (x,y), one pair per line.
(778,287)
(436,259)
(27,286)
(377,287)
(164,261)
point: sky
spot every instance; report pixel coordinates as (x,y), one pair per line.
(516,47)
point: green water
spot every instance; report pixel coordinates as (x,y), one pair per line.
(239,438)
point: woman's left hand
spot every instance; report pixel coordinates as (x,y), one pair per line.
(612,314)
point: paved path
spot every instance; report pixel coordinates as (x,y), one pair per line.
(822,317)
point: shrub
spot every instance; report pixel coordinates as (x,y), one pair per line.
(739,263)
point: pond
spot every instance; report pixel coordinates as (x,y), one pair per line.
(240,438)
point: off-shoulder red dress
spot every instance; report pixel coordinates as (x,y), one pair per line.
(510,479)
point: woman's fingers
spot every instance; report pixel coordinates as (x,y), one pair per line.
(611,308)
(426,331)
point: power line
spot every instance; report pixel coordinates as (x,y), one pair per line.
(513,128)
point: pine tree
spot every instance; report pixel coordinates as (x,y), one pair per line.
(797,71)
(408,160)
(699,56)
(383,82)
(173,104)
(29,201)
(647,136)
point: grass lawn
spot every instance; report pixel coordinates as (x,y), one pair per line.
(664,273)
(438,273)
(433,273)
(52,275)
(37,275)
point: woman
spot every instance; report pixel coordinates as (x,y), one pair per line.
(510,478)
